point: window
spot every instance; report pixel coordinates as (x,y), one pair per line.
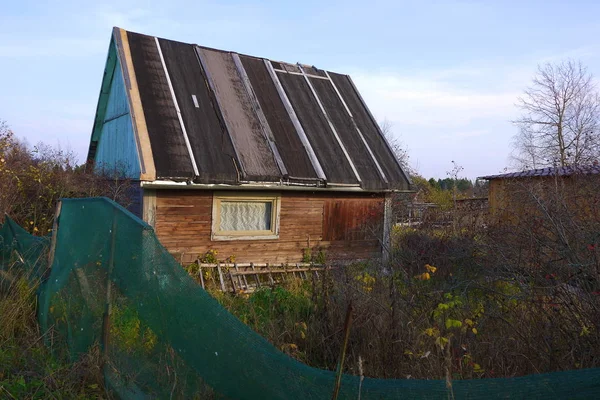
(241,216)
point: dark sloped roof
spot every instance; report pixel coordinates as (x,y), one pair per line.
(215,116)
(550,171)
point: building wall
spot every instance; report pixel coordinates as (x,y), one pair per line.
(496,196)
(346,226)
(117,150)
(513,199)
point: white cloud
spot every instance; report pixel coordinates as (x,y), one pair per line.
(418,102)
(458,113)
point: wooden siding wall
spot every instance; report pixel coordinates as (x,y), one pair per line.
(513,199)
(346,226)
(117,149)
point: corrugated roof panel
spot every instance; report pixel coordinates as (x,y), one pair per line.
(549,171)
(253,151)
(330,155)
(171,156)
(370,131)
(211,145)
(370,178)
(218,117)
(290,147)
(312,70)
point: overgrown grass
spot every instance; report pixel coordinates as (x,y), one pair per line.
(28,367)
(443,307)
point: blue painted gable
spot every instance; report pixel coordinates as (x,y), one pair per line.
(116,150)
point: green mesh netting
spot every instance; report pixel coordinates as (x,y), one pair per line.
(163,336)
(21,251)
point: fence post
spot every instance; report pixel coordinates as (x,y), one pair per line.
(54,237)
(386,242)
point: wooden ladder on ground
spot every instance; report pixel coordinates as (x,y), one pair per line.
(248,277)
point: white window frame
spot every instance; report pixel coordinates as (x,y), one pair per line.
(273,233)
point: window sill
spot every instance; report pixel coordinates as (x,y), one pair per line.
(218,238)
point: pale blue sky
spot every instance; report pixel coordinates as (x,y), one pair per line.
(445,73)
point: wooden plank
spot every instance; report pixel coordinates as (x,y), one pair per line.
(302,274)
(387,226)
(301,215)
(270,275)
(221,277)
(255,275)
(201,274)
(54,235)
(258,265)
(233,287)
(275,271)
(243,277)
(135,108)
(149,206)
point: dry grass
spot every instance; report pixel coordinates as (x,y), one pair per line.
(451,304)
(29,369)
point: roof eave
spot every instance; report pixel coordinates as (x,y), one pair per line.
(280,186)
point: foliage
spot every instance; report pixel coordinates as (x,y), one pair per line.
(465,302)
(28,368)
(210,257)
(34,178)
(320,257)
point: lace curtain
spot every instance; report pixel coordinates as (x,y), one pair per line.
(245,215)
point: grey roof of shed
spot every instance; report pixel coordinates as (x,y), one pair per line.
(216,117)
(549,171)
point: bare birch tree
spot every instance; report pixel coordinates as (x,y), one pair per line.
(560,118)
(398,148)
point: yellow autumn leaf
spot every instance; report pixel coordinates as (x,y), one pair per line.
(474,330)
(429,331)
(477,368)
(453,323)
(430,268)
(424,276)
(468,322)
(584,331)
(441,341)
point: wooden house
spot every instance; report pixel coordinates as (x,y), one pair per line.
(252,158)
(517,195)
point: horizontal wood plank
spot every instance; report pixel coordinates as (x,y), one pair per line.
(184,218)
